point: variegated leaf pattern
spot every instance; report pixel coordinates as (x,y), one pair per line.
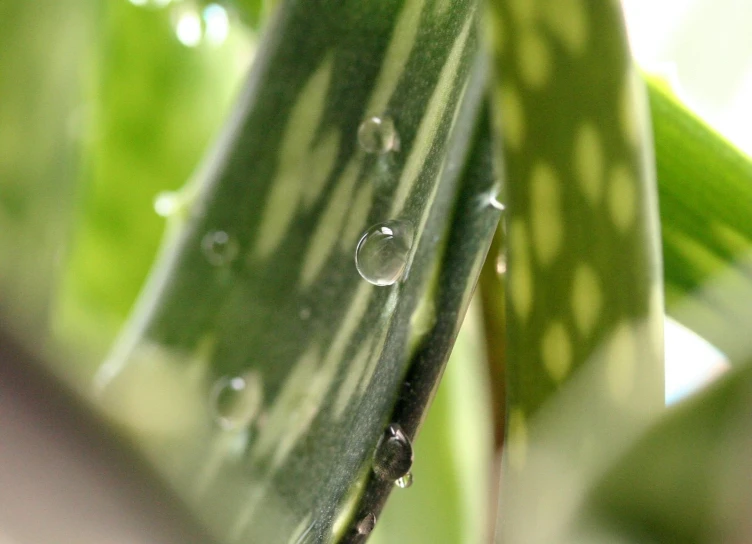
(584,351)
(259,369)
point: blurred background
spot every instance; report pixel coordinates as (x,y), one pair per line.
(99,131)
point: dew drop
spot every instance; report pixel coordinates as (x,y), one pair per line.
(496,203)
(235,401)
(304,313)
(393,458)
(366,525)
(501,263)
(382,252)
(189,28)
(378,135)
(166,203)
(405,482)
(219,248)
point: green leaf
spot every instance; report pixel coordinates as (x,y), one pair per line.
(152,106)
(259,370)
(687,480)
(585,304)
(705,194)
(448,501)
(41,95)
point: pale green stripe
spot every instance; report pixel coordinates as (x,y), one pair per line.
(356,220)
(286,189)
(320,163)
(431,120)
(349,385)
(327,231)
(403,40)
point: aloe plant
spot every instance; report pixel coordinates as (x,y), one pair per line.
(316,268)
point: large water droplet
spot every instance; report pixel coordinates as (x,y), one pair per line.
(366,525)
(393,458)
(405,482)
(219,247)
(378,135)
(235,401)
(382,252)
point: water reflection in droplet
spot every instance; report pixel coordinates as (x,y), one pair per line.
(366,525)
(405,482)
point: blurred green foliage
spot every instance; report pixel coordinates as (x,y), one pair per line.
(40,127)
(153,106)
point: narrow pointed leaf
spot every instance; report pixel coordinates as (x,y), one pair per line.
(585,306)
(705,188)
(260,370)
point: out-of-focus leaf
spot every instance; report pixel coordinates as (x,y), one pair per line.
(152,107)
(44,47)
(705,188)
(356,114)
(584,317)
(688,480)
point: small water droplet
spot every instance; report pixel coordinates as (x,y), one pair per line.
(217,23)
(189,28)
(366,525)
(378,135)
(235,401)
(393,458)
(219,248)
(495,197)
(382,252)
(166,203)
(304,313)
(405,482)
(501,263)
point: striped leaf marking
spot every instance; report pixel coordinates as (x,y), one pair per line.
(293,191)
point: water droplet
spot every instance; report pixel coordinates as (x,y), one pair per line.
(382,252)
(189,28)
(304,313)
(393,458)
(217,23)
(405,482)
(150,3)
(501,263)
(378,135)
(366,525)
(496,203)
(235,401)
(219,248)
(166,203)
